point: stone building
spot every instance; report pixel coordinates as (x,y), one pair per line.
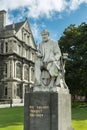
(17,57)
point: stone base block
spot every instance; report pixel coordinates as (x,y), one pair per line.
(47,111)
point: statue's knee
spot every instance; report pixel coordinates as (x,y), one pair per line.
(37,63)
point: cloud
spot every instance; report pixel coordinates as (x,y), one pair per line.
(74,4)
(36,9)
(16,15)
(46,8)
(36,30)
(39,8)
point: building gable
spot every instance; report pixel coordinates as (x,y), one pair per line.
(25,34)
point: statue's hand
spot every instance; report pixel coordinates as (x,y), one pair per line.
(48,60)
(39,55)
(45,64)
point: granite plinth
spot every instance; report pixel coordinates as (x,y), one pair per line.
(47,111)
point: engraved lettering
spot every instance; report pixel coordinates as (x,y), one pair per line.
(37,111)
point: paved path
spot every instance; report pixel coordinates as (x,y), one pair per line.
(13,105)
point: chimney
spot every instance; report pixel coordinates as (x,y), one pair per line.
(13,26)
(2,19)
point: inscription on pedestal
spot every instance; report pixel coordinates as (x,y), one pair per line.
(38,111)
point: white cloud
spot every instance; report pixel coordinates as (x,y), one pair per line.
(36,8)
(74,4)
(39,8)
(46,8)
(36,30)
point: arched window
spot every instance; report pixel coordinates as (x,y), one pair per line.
(26,72)
(19,90)
(18,70)
(2,47)
(32,74)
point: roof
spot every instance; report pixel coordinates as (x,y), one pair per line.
(2,11)
(16,26)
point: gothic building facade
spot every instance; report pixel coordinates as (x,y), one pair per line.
(17,57)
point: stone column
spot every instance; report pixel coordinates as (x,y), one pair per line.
(15,68)
(30,54)
(4,46)
(30,74)
(12,69)
(23,72)
(9,90)
(23,92)
(12,90)
(8,70)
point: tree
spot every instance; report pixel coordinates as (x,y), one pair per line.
(74,42)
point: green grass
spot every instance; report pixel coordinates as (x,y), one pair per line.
(79,116)
(13,118)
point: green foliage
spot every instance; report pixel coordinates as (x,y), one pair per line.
(74,42)
(77,104)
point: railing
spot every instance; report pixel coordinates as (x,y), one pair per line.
(6,101)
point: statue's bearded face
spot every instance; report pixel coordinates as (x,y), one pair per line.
(45,37)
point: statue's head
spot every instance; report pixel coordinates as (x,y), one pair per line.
(45,35)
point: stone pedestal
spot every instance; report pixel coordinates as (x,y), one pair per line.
(47,111)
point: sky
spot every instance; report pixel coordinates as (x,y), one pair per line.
(53,15)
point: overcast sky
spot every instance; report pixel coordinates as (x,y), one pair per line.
(54,15)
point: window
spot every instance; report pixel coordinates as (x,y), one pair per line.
(18,70)
(19,90)
(27,88)
(5,69)
(32,74)
(2,48)
(25,37)
(28,40)
(26,73)
(26,53)
(6,91)
(29,54)
(32,56)
(6,47)
(19,49)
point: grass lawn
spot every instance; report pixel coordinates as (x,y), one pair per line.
(79,116)
(13,118)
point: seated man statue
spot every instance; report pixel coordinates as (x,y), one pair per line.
(49,67)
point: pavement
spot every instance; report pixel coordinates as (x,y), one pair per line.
(9,105)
